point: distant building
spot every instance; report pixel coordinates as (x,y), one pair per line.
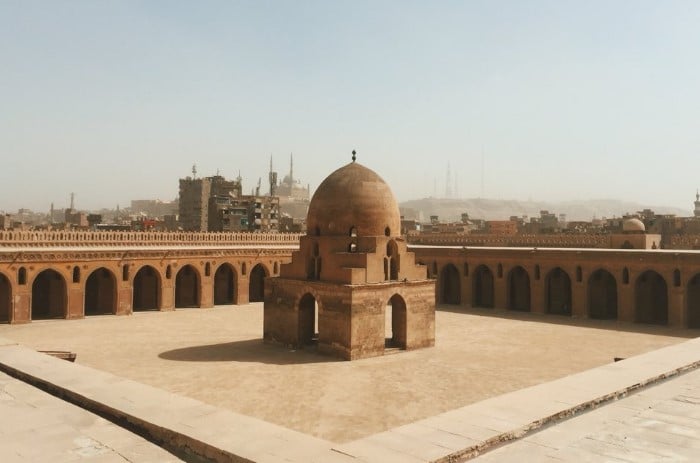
(195,199)
(154,208)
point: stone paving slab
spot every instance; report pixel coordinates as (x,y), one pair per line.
(479,427)
(661,421)
(660,424)
(177,421)
(37,427)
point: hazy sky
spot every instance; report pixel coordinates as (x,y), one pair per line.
(115,100)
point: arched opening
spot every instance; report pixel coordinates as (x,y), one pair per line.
(187,287)
(396,320)
(100,293)
(146,289)
(224,285)
(449,285)
(627,245)
(519,290)
(353,232)
(49,297)
(694,302)
(558,288)
(651,298)
(5,299)
(256,288)
(482,291)
(76,274)
(391,270)
(22,276)
(125,272)
(308,320)
(602,295)
(207,269)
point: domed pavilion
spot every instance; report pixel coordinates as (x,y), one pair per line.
(352,289)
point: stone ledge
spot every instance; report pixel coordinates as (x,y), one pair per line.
(464,433)
(179,424)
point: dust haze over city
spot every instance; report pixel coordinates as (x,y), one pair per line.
(542,100)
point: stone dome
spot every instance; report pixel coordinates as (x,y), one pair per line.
(633,226)
(353,197)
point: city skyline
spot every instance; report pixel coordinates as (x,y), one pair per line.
(542,100)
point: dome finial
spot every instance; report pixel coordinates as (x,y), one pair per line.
(354,155)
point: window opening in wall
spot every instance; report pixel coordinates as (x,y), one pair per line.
(168,272)
(387,231)
(500,270)
(537,272)
(22,276)
(625,276)
(207,269)
(579,274)
(676,278)
(125,272)
(76,274)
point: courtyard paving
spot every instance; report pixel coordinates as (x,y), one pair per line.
(217,356)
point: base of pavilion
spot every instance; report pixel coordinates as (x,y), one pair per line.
(350,321)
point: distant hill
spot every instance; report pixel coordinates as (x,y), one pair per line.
(502,209)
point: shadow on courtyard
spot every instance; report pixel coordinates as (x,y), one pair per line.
(250,350)
(552,319)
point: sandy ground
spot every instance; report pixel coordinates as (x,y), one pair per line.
(217,356)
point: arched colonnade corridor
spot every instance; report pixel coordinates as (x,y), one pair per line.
(605,293)
(56,292)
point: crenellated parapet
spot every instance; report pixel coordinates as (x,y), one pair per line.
(61,238)
(599,241)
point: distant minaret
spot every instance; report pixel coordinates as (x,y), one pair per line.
(696,212)
(194,170)
(448,182)
(291,168)
(272,177)
(72,201)
(51,217)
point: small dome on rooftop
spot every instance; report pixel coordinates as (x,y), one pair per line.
(633,226)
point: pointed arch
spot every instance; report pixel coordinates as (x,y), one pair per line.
(147,289)
(651,298)
(558,292)
(519,289)
(483,289)
(225,285)
(693,289)
(308,320)
(450,285)
(49,295)
(5,299)
(187,287)
(256,283)
(602,295)
(396,310)
(100,292)
(392,263)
